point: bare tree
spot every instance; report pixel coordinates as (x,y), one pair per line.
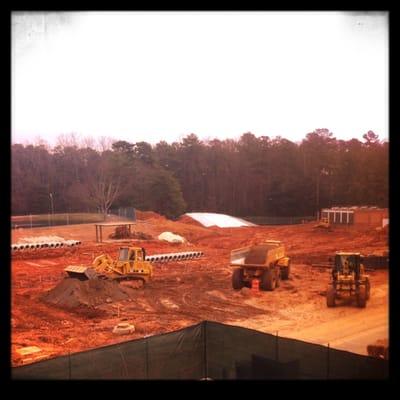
(104,192)
(104,182)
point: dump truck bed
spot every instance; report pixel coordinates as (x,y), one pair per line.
(252,256)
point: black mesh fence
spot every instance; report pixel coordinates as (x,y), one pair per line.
(209,350)
(264,220)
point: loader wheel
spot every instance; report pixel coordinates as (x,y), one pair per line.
(278,277)
(368,289)
(237,279)
(331,296)
(268,280)
(285,271)
(362,296)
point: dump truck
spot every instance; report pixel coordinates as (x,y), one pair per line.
(266,262)
(131,264)
(348,278)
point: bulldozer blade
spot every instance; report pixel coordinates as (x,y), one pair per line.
(80,272)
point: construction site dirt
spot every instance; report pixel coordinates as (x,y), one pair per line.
(182,293)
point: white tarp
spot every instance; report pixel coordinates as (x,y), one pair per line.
(220,220)
(171,237)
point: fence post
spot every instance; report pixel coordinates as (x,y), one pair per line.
(67,218)
(205,350)
(147,358)
(48,219)
(69,364)
(327,362)
(30,217)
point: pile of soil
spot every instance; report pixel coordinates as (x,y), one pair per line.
(141,236)
(144,215)
(71,292)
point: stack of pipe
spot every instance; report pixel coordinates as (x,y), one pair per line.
(185,255)
(42,245)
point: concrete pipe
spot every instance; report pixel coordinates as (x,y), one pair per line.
(52,244)
(38,245)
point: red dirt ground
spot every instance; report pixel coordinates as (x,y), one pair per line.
(186,292)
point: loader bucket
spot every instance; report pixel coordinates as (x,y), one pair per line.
(80,272)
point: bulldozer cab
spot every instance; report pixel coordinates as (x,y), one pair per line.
(347,264)
(131,254)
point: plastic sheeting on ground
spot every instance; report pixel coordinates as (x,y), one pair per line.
(220,220)
(209,350)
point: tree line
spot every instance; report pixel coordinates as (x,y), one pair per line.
(251,176)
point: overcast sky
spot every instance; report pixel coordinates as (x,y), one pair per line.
(160,76)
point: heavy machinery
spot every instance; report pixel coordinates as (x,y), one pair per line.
(264,262)
(131,264)
(348,278)
(323,223)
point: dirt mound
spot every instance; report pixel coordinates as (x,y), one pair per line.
(144,215)
(122,232)
(185,219)
(72,292)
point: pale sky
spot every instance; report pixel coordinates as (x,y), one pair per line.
(151,76)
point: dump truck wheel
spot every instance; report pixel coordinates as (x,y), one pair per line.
(331,296)
(285,271)
(237,279)
(268,280)
(362,296)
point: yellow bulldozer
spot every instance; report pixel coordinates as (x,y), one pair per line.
(130,264)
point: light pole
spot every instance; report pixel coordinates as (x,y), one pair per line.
(52,206)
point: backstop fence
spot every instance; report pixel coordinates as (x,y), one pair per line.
(125,212)
(208,350)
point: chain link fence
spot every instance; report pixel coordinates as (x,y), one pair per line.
(263,220)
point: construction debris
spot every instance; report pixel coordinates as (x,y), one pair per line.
(171,237)
(380,349)
(24,351)
(123,328)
